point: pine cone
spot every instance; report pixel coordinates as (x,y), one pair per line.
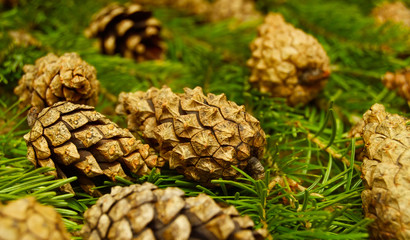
(386,174)
(395,12)
(129,30)
(287,63)
(27,219)
(76,139)
(22,38)
(191,6)
(200,136)
(242,10)
(53,79)
(146,212)
(399,81)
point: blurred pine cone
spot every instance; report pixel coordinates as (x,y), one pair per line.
(399,81)
(53,79)
(77,140)
(287,63)
(242,10)
(201,136)
(191,6)
(386,174)
(23,38)
(396,12)
(129,30)
(27,219)
(146,212)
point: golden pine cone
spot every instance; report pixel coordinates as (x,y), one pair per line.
(146,212)
(287,63)
(22,38)
(77,140)
(27,219)
(242,10)
(200,136)
(53,79)
(129,30)
(395,12)
(191,6)
(386,174)
(399,81)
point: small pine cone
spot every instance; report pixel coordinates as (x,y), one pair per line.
(53,79)
(242,10)
(27,219)
(287,63)
(146,212)
(386,174)
(190,6)
(200,136)
(399,81)
(395,12)
(23,38)
(77,140)
(129,30)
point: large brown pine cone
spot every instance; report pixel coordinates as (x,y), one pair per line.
(129,30)
(27,219)
(386,174)
(53,79)
(146,212)
(399,81)
(392,11)
(77,140)
(287,63)
(201,136)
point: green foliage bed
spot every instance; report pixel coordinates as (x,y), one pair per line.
(306,145)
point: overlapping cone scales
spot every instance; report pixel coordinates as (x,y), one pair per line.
(146,212)
(28,219)
(76,139)
(53,79)
(287,63)
(396,12)
(201,136)
(399,81)
(129,30)
(386,174)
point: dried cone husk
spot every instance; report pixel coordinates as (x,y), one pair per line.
(200,136)
(129,30)
(396,12)
(77,140)
(190,6)
(53,79)
(287,63)
(386,174)
(27,219)
(146,212)
(242,10)
(399,81)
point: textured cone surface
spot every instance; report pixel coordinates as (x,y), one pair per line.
(399,81)
(129,30)
(27,219)
(386,174)
(53,79)
(200,136)
(191,6)
(146,212)
(75,138)
(287,63)
(242,10)
(395,12)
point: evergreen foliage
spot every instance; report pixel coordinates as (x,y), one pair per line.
(313,186)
